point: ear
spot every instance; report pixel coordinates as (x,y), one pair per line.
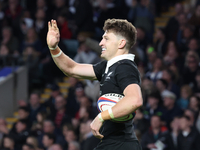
(122,44)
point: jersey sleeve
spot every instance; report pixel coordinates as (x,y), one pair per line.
(127,74)
(99,69)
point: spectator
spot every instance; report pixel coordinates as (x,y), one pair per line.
(10,40)
(183,101)
(60,7)
(194,20)
(35,106)
(186,35)
(194,104)
(94,87)
(151,57)
(49,127)
(65,32)
(32,141)
(48,140)
(196,88)
(32,40)
(3,130)
(188,138)
(169,76)
(50,103)
(173,23)
(27,146)
(40,24)
(161,42)
(12,14)
(198,122)
(76,91)
(55,147)
(172,136)
(61,116)
(5,56)
(154,106)
(86,55)
(156,72)
(194,45)
(190,113)
(171,109)
(21,133)
(161,85)
(74,146)
(173,56)
(191,68)
(154,134)
(23,113)
(9,143)
(141,124)
(37,126)
(66,127)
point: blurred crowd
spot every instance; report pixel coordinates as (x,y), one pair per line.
(167,58)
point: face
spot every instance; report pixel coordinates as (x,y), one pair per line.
(152,101)
(166,75)
(22,114)
(32,141)
(159,85)
(193,45)
(46,141)
(34,100)
(109,45)
(48,127)
(155,122)
(168,101)
(8,143)
(193,102)
(184,123)
(158,63)
(25,147)
(55,147)
(197,12)
(70,136)
(20,127)
(60,102)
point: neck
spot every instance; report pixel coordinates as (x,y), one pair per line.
(119,52)
(156,130)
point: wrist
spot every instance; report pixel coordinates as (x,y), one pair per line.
(53,48)
(100,117)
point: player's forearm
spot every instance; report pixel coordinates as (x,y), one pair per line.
(64,63)
(124,107)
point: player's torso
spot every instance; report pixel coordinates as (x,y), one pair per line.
(110,129)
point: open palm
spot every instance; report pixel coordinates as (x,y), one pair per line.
(53,35)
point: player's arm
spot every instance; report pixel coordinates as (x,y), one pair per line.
(131,102)
(64,63)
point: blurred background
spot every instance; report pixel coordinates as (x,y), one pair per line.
(42,109)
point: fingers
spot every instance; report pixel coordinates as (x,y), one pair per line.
(52,24)
(97,134)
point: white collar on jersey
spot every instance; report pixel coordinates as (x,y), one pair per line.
(118,58)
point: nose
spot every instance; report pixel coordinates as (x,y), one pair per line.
(101,43)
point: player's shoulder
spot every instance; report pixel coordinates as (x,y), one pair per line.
(125,63)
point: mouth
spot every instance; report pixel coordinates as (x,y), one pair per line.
(103,49)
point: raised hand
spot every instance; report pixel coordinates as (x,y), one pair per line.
(53,35)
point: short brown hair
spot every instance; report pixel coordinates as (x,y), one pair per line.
(123,28)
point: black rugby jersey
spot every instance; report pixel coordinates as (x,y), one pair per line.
(118,76)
